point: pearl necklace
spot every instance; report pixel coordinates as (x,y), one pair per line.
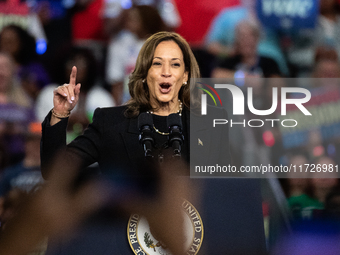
(179,113)
(159,132)
(179,110)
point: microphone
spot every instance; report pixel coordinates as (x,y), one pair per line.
(176,138)
(145,123)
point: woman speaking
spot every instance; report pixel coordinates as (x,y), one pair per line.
(129,140)
(159,86)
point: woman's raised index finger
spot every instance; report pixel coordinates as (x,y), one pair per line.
(73,76)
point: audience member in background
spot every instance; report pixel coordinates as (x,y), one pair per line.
(21,46)
(20,13)
(114,13)
(56,22)
(32,79)
(221,34)
(21,178)
(87,28)
(246,61)
(15,111)
(311,204)
(92,94)
(332,205)
(142,21)
(17,181)
(304,207)
(326,66)
(300,204)
(297,180)
(323,182)
(329,23)
(18,43)
(10,89)
(249,67)
(113,17)
(326,34)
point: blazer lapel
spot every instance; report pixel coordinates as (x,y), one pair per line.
(131,140)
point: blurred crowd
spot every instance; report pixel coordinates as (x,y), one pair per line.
(43,39)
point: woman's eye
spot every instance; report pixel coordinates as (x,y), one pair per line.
(156,63)
(177,64)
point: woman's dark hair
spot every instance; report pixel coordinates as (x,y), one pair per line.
(26,52)
(140,98)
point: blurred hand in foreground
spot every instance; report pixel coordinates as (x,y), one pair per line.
(59,206)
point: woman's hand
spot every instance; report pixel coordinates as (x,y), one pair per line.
(65,97)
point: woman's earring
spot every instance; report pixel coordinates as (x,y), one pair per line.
(185,83)
(143,80)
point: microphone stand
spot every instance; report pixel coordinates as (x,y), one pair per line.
(176,137)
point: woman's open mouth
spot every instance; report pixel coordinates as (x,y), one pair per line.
(165,87)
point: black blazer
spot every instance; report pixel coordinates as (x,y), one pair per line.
(230,209)
(112,140)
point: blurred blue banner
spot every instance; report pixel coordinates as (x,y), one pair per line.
(287,14)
